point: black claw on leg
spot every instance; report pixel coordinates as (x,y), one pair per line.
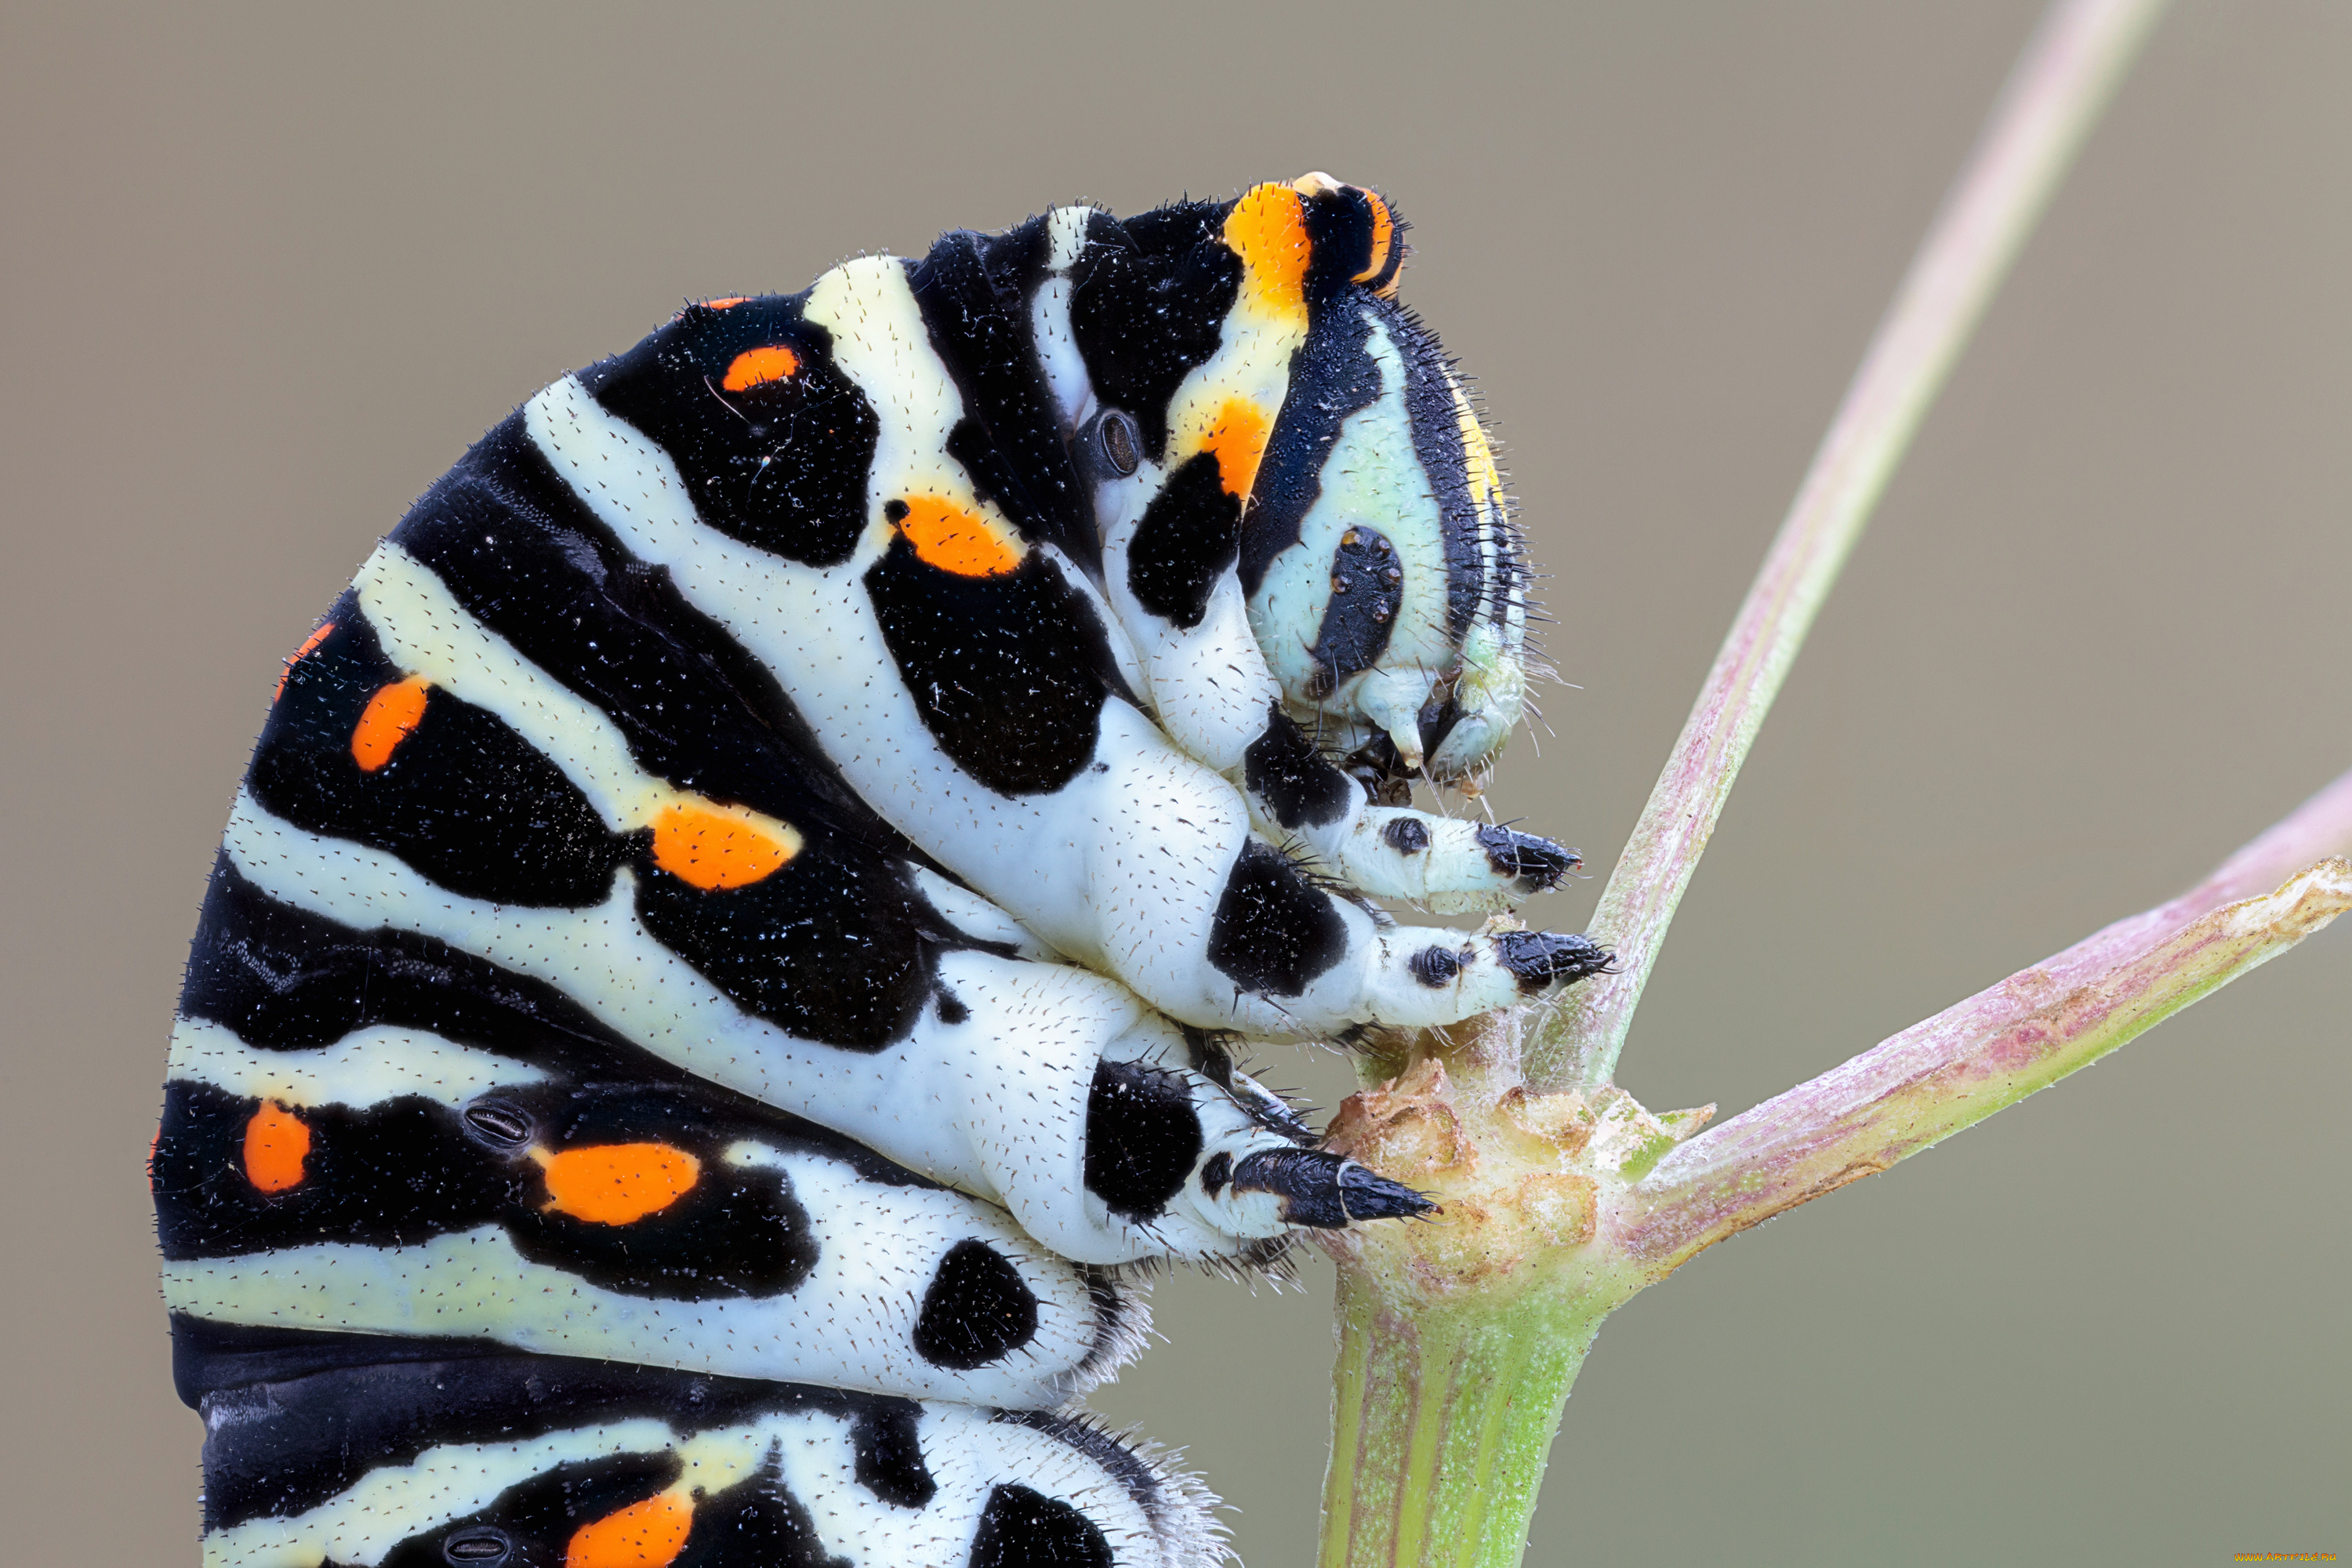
(1542,959)
(1534,864)
(1326,1191)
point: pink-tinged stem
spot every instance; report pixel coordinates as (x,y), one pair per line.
(1998,1046)
(2051,101)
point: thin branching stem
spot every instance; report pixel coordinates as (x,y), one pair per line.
(2050,103)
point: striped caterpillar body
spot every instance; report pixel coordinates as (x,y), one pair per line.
(730,944)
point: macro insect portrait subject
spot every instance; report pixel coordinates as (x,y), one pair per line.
(733,945)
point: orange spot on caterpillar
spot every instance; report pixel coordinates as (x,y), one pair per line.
(299,654)
(946,536)
(757,367)
(617,1184)
(648,1534)
(727,304)
(276,1143)
(1238,438)
(713,846)
(1267,229)
(391,717)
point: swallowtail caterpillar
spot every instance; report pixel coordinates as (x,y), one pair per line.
(730,947)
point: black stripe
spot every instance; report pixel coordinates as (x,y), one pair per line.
(463,799)
(1332,375)
(974,291)
(1298,786)
(282,1449)
(517,548)
(281,978)
(1437,440)
(1146,311)
(402,1173)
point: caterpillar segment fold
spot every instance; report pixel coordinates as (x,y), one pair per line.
(517,1461)
(660,1223)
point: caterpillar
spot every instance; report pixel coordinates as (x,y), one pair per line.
(729,951)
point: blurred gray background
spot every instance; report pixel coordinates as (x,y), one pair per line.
(268,269)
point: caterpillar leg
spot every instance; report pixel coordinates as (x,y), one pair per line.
(1452,866)
(534,1461)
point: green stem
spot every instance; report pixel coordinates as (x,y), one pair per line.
(1442,1423)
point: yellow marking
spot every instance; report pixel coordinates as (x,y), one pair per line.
(1267,229)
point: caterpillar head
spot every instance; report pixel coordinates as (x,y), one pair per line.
(1387,583)
(1240,372)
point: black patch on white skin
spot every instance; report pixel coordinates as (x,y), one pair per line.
(822,947)
(1367,590)
(1332,375)
(1025,1528)
(401,1172)
(1149,303)
(1532,865)
(1543,959)
(1406,835)
(889,1450)
(463,799)
(974,292)
(977,1310)
(1436,966)
(1297,783)
(781,466)
(1187,541)
(281,1446)
(1008,672)
(1275,932)
(1142,1139)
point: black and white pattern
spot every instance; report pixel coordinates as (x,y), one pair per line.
(734,931)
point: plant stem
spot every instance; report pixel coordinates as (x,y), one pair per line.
(1951,1071)
(2050,100)
(1444,1425)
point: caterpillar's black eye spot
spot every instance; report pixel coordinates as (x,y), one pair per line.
(502,1124)
(1122,443)
(478,1546)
